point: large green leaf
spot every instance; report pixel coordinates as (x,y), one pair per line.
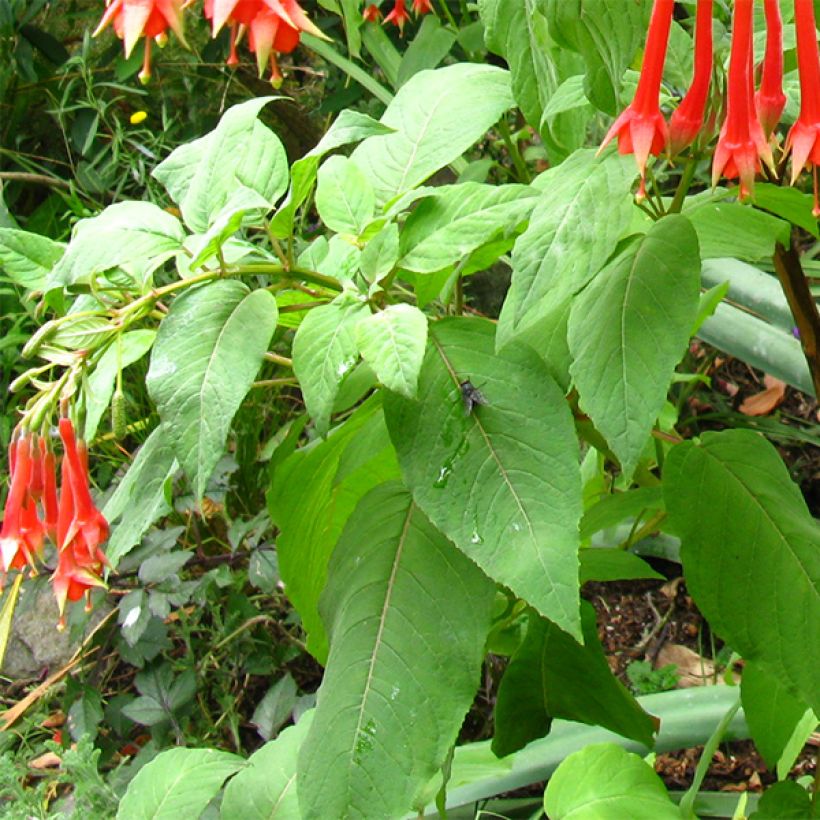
(629,329)
(177,783)
(503,481)
(201,175)
(265,789)
(344,197)
(453,222)
(27,258)
(585,207)
(324,350)
(207,353)
(312,494)
(553,676)
(139,498)
(437,115)
(749,550)
(394,692)
(392,342)
(136,235)
(605,781)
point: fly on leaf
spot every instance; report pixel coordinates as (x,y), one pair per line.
(471,396)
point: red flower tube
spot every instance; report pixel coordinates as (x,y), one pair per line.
(371,14)
(422,6)
(741,144)
(803,139)
(770,99)
(641,128)
(399,16)
(687,120)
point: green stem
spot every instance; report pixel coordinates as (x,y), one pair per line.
(515,153)
(683,186)
(446,9)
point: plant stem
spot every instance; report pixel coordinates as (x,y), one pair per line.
(515,153)
(803,307)
(683,186)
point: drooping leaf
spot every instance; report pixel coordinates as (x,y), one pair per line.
(324,350)
(437,115)
(201,175)
(732,497)
(392,342)
(629,329)
(394,693)
(604,780)
(265,789)
(613,565)
(502,481)
(585,207)
(310,500)
(27,258)
(553,676)
(177,783)
(206,355)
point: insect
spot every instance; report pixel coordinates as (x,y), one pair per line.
(471,396)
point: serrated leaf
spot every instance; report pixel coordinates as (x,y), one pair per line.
(394,694)
(206,355)
(265,789)
(85,715)
(732,497)
(157,568)
(27,258)
(324,349)
(437,115)
(177,783)
(201,175)
(392,342)
(451,224)
(585,207)
(503,481)
(605,780)
(345,199)
(629,329)
(139,235)
(553,676)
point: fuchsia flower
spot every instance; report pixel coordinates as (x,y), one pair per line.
(641,128)
(803,139)
(687,120)
(399,16)
(770,99)
(371,13)
(422,6)
(741,144)
(133,19)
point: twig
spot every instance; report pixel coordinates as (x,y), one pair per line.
(35,179)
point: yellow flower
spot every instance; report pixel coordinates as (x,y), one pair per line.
(138,116)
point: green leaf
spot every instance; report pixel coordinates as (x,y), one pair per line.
(437,115)
(136,235)
(789,204)
(394,693)
(784,801)
(614,508)
(604,780)
(381,253)
(207,353)
(324,349)
(265,788)
(449,225)
(345,198)
(731,496)
(201,175)
(27,258)
(502,482)
(139,498)
(428,48)
(85,715)
(275,708)
(628,331)
(177,783)
(392,342)
(772,712)
(310,507)
(585,207)
(553,676)
(100,384)
(599,564)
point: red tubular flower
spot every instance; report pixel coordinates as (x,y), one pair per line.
(770,99)
(803,140)
(371,14)
(133,19)
(687,120)
(641,128)
(399,16)
(422,6)
(741,144)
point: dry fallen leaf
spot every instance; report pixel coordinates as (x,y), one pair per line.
(693,670)
(761,404)
(49,760)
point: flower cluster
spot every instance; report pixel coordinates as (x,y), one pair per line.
(747,135)
(272,26)
(35,511)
